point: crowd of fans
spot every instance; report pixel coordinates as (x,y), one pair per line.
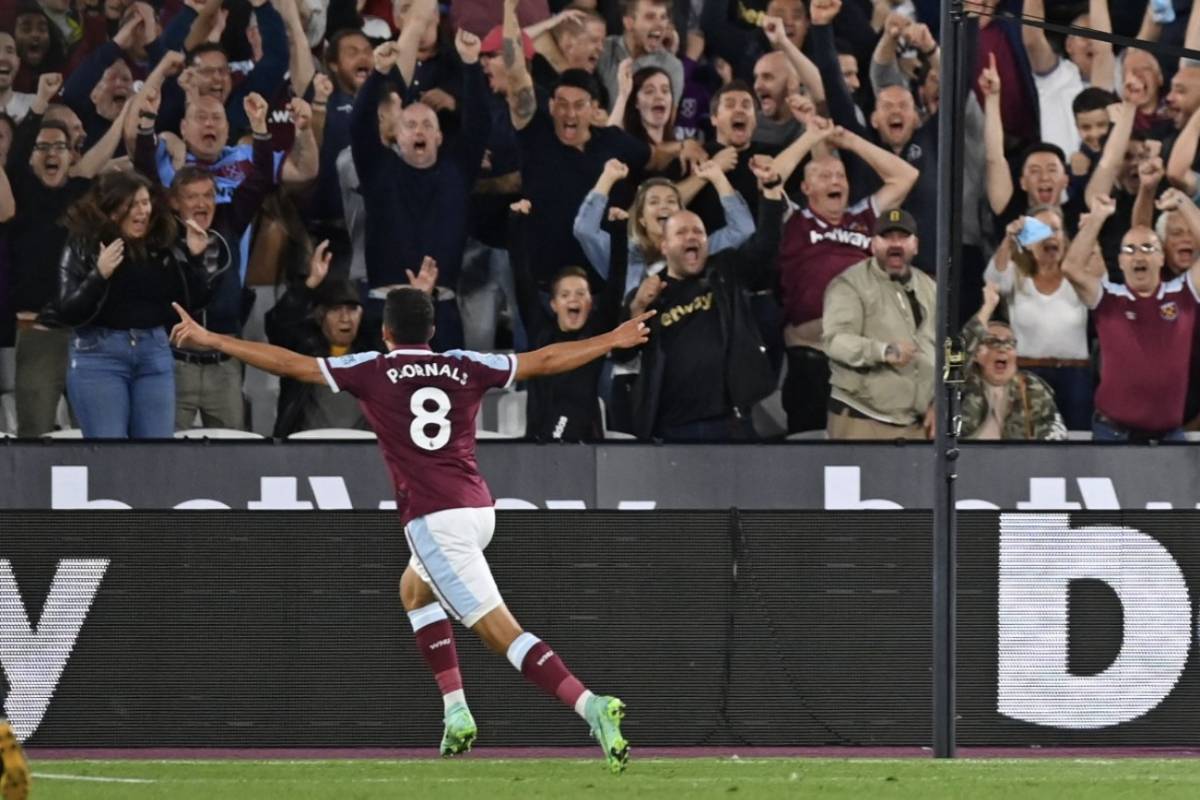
(763,173)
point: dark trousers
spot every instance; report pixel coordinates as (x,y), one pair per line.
(1074,393)
(730,428)
(805,393)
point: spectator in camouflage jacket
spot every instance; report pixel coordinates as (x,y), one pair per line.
(998,400)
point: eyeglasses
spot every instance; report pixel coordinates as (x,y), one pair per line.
(52,147)
(1130,249)
(996,343)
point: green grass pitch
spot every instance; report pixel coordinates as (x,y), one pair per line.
(483,779)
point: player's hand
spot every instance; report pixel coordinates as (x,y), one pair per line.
(426,278)
(318,265)
(111,256)
(633,332)
(190,334)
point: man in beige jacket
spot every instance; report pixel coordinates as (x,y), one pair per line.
(878,332)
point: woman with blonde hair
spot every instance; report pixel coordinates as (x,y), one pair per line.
(1047,316)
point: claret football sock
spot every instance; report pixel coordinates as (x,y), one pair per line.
(541,666)
(435,640)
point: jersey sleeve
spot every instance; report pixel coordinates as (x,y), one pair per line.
(350,373)
(491,370)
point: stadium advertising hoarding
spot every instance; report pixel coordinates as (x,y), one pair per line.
(718,628)
(336,476)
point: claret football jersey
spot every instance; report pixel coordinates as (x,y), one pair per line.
(422,405)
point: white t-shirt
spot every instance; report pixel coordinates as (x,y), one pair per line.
(1056,91)
(1046,325)
(18,105)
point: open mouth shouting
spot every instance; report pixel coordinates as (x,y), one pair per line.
(1046,194)
(55,168)
(654,39)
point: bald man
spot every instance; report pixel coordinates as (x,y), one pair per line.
(705,366)
(1140,398)
(774,80)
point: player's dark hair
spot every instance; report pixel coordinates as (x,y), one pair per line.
(579,79)
(735,85)
(408,315)
(55,125)
(1093,99)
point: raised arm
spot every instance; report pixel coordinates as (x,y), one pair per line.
(806,70)
(595,241)
(616,117)
(1075,264)
(1104,64)
(999,179)
(301,68)
(207,17)
(303,161)
(815,133)
(365,145)
(521,101)
(1105,174)
(421,14)
(276,360)
(1150,175)
(267,77)
(102,152)
(566,356)
(899,177)
(1183,155)
(1042,57)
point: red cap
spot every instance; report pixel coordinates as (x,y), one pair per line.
(495,40)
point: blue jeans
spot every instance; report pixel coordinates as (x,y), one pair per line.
(121,383)
(1105,430)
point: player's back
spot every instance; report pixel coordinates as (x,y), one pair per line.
(422,405)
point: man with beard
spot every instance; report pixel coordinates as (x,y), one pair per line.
(14,104)
(879,328)
(42,169)
(39,46)
(416,201)
(646,23)
(998,400)
(1145,326)
(210,383)
(820,241)
(706,366)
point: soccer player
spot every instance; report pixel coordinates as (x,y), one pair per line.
(423,405)
(14,770)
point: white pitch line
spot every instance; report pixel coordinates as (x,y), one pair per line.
(92,778)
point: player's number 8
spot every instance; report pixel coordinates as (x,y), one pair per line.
(424,418)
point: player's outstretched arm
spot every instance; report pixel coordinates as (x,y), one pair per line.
(566,356)
(275,360)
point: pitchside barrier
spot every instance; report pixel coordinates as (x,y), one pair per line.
(182,628)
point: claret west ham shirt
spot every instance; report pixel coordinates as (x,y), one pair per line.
(422,405)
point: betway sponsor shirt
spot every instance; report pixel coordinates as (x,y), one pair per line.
(814,252)
(422,405)
(1146,347)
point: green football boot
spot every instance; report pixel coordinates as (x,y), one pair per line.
(604,714)
(460,730)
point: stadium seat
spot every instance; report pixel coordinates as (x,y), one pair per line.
(216,433)
(768,416)
(806,436)
(8,369)
(333,433)
(510,413)
(1192,436)
(485,434)
(1079,436)
(65,433)
(7,435)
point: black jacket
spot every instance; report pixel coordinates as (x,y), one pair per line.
(82,290)
(291,324)
(730,273)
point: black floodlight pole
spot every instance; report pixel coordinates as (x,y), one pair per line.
(955,80)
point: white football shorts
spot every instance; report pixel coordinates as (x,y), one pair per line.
(447,553)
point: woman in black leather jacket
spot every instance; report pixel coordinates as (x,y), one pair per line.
(126,260)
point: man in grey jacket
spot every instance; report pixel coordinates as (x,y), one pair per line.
(878,332)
